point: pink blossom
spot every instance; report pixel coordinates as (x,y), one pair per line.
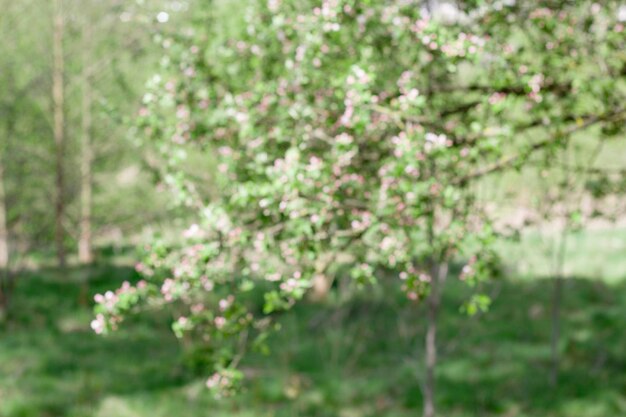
(435,141)
(346,118)
(225,303)
(273,5)
(197,308)
(496,98)
(213,381)
(167,289)
(219,322)
(290,285)
(207,284)
(98,325)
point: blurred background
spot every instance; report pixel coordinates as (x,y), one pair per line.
(81,192)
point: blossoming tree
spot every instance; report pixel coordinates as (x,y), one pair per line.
(350,136)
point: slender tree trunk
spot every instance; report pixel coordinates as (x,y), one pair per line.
(322,281)
(59,129)
(4,249)
(557,295)
(556,330)
(439,273)
(4,230)
(558,268)
(85,252)
(321,287)
(6,279)
(85,249)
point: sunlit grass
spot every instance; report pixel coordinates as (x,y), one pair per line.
(597,254)
(357,359)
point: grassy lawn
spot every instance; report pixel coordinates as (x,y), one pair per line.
(358,359)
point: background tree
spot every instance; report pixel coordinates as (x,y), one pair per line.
(58,99)
(85,244)
(64,91)
(22,109)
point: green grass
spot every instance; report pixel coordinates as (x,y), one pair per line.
(357,359)
(598,254)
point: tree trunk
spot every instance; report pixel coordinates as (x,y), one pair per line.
(4,230)
(5,276)
(321,287)
(85,252)
(5,255)
(322,281)
(556,329)
(557,295)
(85,249)
(559,272)
(439,273)
(59,130)
(7,279)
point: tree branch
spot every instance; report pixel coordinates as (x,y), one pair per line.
(512,159)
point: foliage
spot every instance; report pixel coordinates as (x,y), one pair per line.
(350,137)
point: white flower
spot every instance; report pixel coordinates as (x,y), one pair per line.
(98,324)
(163,17)
(193,231)
(273,5)
(433,140)
(621,13)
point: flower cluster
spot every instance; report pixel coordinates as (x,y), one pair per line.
(110,306)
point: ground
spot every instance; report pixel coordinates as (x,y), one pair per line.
(358,359)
